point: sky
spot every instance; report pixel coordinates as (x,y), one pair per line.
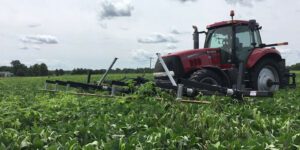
(71,34)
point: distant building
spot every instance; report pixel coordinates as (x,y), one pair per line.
(6,74)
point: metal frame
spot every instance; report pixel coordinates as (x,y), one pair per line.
(162,62)
(234,93)
(115,86)
(187,87)
(107,71)
(293,76)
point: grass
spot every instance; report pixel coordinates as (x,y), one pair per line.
(30,119)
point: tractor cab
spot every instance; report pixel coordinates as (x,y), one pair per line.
(235,41)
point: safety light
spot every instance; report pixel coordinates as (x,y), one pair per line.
(232,14)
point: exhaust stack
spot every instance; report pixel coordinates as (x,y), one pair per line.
(196,37)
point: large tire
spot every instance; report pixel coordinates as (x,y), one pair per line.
(264,72)
(206,76)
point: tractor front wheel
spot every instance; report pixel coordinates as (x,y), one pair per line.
(206,76)
(265,76)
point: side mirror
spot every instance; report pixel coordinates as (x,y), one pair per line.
(252,25)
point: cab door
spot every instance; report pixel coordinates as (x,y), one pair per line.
(221,38)
(243,42)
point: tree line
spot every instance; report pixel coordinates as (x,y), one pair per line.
(20,69)
(295,66)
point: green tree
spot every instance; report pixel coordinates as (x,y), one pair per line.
(18,68)
(43,69)
(59,72)
(34,70)
(56,72)
(5,68)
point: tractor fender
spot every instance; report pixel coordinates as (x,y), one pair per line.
(220,72)
(261,53)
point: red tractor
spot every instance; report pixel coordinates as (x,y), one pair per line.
(229,45)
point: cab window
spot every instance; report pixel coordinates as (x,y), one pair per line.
(221,38)
(242,42)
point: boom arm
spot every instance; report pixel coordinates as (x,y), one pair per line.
(271,45)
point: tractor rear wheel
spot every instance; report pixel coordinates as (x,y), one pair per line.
(265,75)
(206,76)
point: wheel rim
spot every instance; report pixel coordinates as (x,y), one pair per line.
(267,74)
(209,80)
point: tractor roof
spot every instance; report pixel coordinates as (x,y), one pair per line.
(224,23)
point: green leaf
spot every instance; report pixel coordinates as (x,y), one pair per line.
(216,145)
(25,143)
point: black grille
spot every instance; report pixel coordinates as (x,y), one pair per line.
(173,63)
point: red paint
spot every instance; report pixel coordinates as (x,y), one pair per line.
(199,58)
(258,53)
(223,23)
(189,52)
(227,66)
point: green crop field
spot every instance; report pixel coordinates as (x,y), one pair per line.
(31,119)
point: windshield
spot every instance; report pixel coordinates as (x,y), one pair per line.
(219,38)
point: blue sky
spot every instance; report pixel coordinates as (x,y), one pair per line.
(90,33)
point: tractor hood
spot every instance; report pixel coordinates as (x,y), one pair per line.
(182,62)
(192,53)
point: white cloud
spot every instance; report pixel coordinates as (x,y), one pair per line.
(24,47)
(177,32)
(33,42)
(51,63)
(157,38)
(141,55)
(124,28)
(36,47)
(186,0)
(247,3)
(115,8)
(5,62)
(103,25)
(34,25)
(30,47)
(285,51)
(39,39)
(171,46)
